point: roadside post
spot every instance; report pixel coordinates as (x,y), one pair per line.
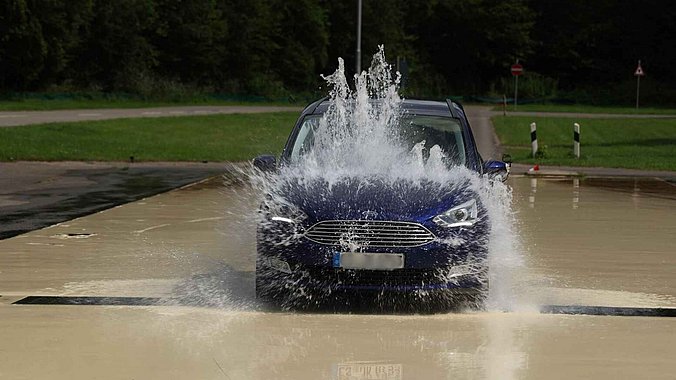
(576,140)
(638,74)
(517,71)
(504,105)
(533,138)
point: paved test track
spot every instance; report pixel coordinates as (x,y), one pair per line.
(182,246)
(12,119)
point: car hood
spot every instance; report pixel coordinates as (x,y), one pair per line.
(374,198)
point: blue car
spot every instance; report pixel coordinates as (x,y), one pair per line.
(380,237)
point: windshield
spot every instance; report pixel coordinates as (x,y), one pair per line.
(427,131)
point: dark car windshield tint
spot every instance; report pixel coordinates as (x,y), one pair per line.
(413,129)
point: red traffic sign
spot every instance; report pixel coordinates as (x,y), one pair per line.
(517,69)
(639,71)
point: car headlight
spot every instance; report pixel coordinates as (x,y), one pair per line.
(283,212)
(463,215)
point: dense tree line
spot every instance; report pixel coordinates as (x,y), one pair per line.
(278,47)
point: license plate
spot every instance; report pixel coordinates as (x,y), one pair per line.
(372,261)
(368,371)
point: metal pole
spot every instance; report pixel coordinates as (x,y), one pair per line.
(516,90)
(516,87)
(358,37)
(638,84)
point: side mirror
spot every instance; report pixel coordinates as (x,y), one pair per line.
(265,163)
(496,170)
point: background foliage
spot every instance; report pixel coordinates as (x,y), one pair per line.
(575,49)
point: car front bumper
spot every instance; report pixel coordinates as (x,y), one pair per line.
(443,264)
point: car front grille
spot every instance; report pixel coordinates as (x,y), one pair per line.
(370,233)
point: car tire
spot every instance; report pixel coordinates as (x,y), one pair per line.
(477,299)
(262,284)
(269,289)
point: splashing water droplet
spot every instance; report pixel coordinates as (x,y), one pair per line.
(357,147)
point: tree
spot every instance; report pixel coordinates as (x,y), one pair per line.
(246,68)
(276,47)
(117,51)
(22,46)
(63,24)
(190,40)
(301,40)
(570,35)
(473,42)
(383,23)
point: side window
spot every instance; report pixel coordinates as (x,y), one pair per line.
(305,138)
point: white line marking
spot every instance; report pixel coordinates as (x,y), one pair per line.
(11,116)
(47,244)
(150,228)
(152,113)
(206,219)
(89,114)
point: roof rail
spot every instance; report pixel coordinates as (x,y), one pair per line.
(451,107)
(312,107)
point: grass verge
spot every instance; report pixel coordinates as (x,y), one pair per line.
(648,144)
(578,108)
(232,137)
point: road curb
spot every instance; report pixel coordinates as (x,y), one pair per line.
(595,172)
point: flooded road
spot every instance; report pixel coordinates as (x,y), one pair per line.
(599,241)
(586,242)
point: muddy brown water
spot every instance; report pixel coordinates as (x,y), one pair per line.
(586,243)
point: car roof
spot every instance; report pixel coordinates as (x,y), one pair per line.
(412,106)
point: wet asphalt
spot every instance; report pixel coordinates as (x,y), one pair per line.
(163,288)
(35,195)
(16,118)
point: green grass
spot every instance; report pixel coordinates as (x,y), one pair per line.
(617,143)
(64,104)
(578,108)
(232,137)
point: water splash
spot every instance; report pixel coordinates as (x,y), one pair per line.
(357,143)
(505,258)
(357,135)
